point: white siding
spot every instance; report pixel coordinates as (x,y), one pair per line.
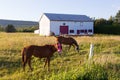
(55,26)
(44,26)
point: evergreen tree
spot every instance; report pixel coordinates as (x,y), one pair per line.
(10,28)
(100,22)
(110,20)
(117,17)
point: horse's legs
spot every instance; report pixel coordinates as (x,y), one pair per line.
(29,63)
(45,62)
(24,64)
(73,46)
(69,47)
(48,64)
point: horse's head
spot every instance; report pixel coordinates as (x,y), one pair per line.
(59,47)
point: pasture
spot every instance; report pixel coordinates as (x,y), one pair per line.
(105,64)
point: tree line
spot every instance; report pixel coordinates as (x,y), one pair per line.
(11,28)
(110,26)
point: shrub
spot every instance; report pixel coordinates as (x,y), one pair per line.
(27,29)
(107,29)
(1,28)
(10,28)
(52,34)
(87,72)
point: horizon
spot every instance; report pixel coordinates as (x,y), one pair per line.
(31,10)
(17,20)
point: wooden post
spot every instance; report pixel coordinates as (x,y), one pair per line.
(91,51)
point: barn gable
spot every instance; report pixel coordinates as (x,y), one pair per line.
(44,24)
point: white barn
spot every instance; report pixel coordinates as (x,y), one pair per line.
(65,24)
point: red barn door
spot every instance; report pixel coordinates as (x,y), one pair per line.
(63,29)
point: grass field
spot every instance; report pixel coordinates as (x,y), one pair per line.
(105,64)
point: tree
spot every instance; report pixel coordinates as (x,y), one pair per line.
(10,28)
(100,22)
(110,20)
(117,17)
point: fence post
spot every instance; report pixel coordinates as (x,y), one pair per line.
(91,51)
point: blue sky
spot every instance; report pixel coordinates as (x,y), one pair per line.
(32,9)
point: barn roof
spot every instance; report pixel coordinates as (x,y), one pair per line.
(67,17)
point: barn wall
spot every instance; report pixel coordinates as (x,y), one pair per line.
(55,26)
(44,26)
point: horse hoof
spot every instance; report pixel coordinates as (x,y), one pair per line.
(32,69)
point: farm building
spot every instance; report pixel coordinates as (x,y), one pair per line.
(65,24)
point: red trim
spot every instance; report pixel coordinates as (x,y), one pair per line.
(63,29)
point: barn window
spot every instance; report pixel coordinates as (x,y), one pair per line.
(64,24)
(90,30)
(78,31)
(85,30)
(71,31)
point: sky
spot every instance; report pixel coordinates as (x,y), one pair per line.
(31,10)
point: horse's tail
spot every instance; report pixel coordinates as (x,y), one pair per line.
(23,55)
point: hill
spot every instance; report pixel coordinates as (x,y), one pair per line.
(17,23)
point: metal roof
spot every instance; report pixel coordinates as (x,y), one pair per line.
(67,17)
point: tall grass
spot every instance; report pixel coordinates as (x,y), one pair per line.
(105,64)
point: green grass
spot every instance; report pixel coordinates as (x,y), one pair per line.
(105,64)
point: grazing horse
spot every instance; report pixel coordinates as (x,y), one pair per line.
(45,51)
(68,41)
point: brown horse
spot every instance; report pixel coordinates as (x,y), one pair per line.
(68,41)
(45,51)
